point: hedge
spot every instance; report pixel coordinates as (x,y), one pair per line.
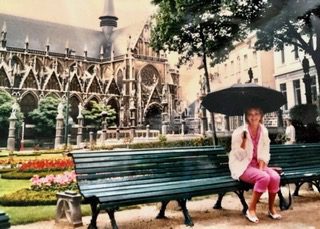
(27,175)
(27,197)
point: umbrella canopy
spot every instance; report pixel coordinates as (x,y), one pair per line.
(239,97)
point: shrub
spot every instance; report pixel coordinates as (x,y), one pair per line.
(28,197)
(27,175)
(304,113)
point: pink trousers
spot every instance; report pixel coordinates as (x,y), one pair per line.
(262,179)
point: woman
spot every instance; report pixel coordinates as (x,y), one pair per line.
(248,161)
(290,133)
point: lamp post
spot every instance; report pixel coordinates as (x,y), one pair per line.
(66,130)
(66,127)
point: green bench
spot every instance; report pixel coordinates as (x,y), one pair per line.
(111,179)
(300,164)
(4,221)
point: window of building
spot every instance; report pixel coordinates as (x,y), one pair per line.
(225,70)
(283,89)
(282,56)
(232,68)
(314,88)
(297,92)
(254,56)
(296,52)
(245,61)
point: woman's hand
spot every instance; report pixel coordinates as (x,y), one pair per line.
(262,165)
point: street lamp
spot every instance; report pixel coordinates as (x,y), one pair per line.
(66,127)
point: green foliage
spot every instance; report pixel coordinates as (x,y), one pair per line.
(44,117)
(304,119)
(198,28)
(162,139)
(289,22)
(94,117)
(27,175)
(6,102)
(27,197)
(304,113)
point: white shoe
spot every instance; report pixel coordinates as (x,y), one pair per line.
(251,218)
(274,216)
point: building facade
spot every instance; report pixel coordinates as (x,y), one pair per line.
(114,66)
(289,76)
(243,65)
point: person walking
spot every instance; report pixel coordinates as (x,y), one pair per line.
(248,162)
(290,133)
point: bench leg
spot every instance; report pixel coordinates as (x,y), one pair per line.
(95,212)
(112,219)
(187,217)
(317,184)
(283,203)
(296,190)
(161,214)
(242,200)
(219,201)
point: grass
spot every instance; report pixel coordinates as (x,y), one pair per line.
(31,214)
(9,186)
(24,215)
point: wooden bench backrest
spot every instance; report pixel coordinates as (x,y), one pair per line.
(106,171)
(295,155)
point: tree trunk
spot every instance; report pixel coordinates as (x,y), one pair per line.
(316,59)
(206,73)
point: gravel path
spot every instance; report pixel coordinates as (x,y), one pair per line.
(305,214)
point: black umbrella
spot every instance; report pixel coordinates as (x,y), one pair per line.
(237,98)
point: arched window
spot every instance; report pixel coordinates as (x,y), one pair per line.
(75,85)
(4,81)
(74,111)
(53,83)
(27,104)
(115,105)
(120,79)
(149,75)
(94,87)
(30,81)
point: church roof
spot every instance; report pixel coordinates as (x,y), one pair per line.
(38,32)
(120,38)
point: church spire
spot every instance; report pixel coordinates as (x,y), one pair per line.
(108,20)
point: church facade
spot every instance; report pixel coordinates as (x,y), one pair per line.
(114,66)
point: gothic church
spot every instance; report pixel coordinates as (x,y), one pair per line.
(114,66)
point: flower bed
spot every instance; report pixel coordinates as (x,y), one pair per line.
(60,182)
(46,165)
(42,191)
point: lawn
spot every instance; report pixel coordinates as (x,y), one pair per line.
(9,186)
(23,215)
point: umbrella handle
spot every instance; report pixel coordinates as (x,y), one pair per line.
(244,134)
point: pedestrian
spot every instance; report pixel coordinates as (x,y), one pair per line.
(248,162)
(290,133)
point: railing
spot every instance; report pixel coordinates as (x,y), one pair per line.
(117,134)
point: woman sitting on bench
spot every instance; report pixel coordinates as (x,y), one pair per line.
(248,162)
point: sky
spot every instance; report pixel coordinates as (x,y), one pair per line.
(86,13)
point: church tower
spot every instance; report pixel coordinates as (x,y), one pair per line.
(108,21)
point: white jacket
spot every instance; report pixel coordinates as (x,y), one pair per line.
(239,158)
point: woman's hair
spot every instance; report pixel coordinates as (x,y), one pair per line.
(254,108)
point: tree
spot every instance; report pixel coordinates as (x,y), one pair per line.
(6,102)
(203,28)
(290,22)
(44,117)
(93,115)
